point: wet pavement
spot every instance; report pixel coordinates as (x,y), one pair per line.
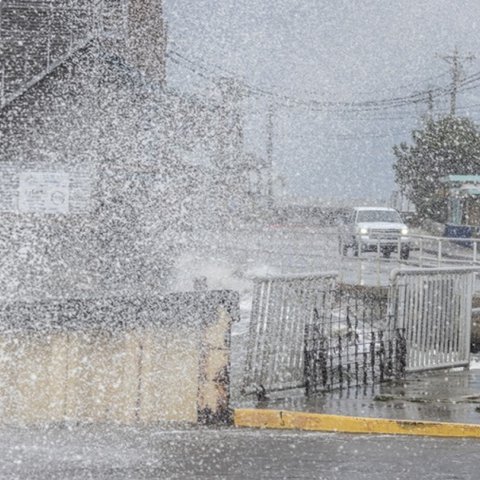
(107,453)
(445,396)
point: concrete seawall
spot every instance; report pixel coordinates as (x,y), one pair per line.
(147,361)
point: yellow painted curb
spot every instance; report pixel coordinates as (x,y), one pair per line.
(257,418)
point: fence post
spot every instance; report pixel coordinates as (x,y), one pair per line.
(378,271)
(468,314)
(439,257)
(421,252)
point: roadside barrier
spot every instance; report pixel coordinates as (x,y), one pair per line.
(282,307)
(142,360)
(283,419)
(434,309)
(353,343)
(308,332)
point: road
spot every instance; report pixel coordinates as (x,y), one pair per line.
(298,249)
(81,453)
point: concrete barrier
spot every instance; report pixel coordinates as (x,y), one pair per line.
(318,422)
(117,360)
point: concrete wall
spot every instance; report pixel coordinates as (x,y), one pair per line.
(161,360)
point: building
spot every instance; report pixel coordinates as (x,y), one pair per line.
(104,171)
(38,35)
(462,193)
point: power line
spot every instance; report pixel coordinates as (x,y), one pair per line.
(340,107)
(223,70)
(287,100)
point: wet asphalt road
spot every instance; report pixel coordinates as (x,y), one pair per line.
(154,453)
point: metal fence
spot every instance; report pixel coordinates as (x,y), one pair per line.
(429,251)
(443,251)
(310,332)
(434,309)
(282,308)
(355,343)
(425,252)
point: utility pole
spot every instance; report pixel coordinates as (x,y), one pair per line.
(430,103)
(428,115)
(232,94)
(270,152)
(455,61)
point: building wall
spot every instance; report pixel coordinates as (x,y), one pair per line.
(37,34)
(117,360)
(126,150)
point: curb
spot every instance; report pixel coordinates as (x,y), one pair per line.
(319,422)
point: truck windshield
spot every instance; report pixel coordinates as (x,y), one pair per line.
(378,216)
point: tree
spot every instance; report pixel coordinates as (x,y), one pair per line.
(450,145)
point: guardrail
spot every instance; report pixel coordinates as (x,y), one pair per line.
(426,251)
(316,251)
(433,251)
(445,250)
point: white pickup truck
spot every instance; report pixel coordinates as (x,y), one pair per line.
(372,229)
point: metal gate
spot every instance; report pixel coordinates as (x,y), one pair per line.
(434,309)
(282,307)
(353,343)
(306,331)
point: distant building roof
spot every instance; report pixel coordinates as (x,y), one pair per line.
(461,179)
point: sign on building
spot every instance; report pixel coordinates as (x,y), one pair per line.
(44,192)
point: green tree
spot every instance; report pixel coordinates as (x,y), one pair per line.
(450,145)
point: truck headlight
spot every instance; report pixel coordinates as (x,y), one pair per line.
(404,231)
(363,231)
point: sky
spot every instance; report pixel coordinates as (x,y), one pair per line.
(337,51)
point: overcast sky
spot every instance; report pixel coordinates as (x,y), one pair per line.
(328,50)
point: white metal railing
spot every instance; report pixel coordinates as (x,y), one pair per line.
(440,251)
(429,309)
(426,251)
(433,307)
(318,251)
(281,308)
